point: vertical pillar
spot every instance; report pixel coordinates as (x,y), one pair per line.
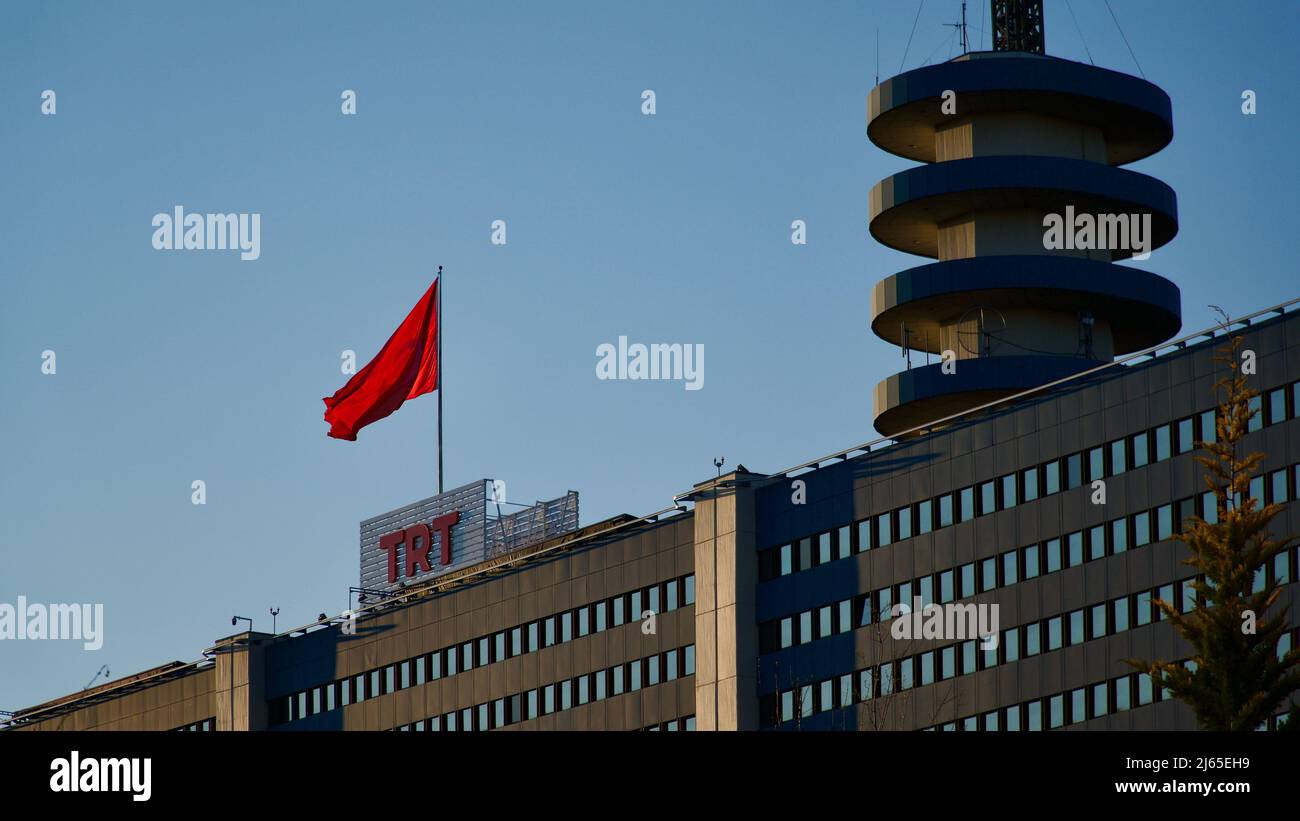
(726,633)
(240,682)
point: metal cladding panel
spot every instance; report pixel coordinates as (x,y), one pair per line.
(468,545)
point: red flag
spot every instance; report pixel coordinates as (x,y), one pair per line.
(404,368)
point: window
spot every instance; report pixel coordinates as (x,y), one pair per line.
(689,597)
(1208,433)
(845,542)
(990,722)
(1141,449)
(864,684)
(967,500)
(845,616)
(1119,536)
(787,632)
(884,534)
(827,699)
(1053,550)
(566,626)
(924,517)
(1010,564)
(1011,641)
(1164,522)
(1143,608)
(1146,692)
(1073,471)
(1052,478)
(634,676)
(652,599)
(968,580)
(806,700)
(549,630)
(968,657)
(532,705)
(670,665)
(1034,716)
(1096,464)
(532,638)
(866,611)
(484,651)
(805,627)
(787,706)
(1076,627)
(1186,438)
(1029,484)
(1009,491)
(499,653)
(1031,561)
(1098,619)
(846,690)
(517,636)
(1121,614)
(823,548)
(988,498)
(1074,541)
(887,678)
(1054,638)
(945,510)
(1097,542)
(1118,457)
(926,590)
(805,562)
(1164,447)
(390,678)
(1032,640)
(1277,486)
(1210,506)
(945,587)
(1078,705)
(947,662)
(1256,407)
(1056,711)
(690,660)
(1277,406)
(864,535)
(1166,594)
(988,574)
(884,598)
(824,628)
(1141,529)
(601,685)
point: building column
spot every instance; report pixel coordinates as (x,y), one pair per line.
(726,634)
(240,683)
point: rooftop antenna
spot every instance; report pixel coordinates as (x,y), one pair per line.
(1018,25)
(961,29)
(877,55)
(103,671)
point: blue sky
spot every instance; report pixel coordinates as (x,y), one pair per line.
(177,366)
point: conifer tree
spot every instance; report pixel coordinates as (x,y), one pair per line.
(1236,679)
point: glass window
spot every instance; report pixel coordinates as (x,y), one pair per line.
(1075,548)
(805,627)
(864,684)
(864,535)
(946,592)
(1277,486)
(390,678)
(601,684)
(884,533)
(805,562)
(904,517)
(1255,406)
(1097,542)
(1031,561)
(690,660)
(1141,529)
(1098,619)
(924,517)
(1122,694)
(905,594)
(500,649)
(1011,641)
(1100,699)
(787,706)
(990,722)
(1009,490)
(1210,506)
(1032,639)
(846,690)
(1029,484)
(926,590)
(1164,522)
(517,640)
(1073,470)
(566,626)
(988,574)
(1096,464)
(484,648)
(532,704)
(1164,447)
(1056,711)
(1076,627)
(824,627)
(845,542)
(1052,477)
(948,662)
(1054,638)
(1119,536)
(823,548)
(906,674)
(533,644)
(846,615)
(1010,564)
(652,599)
(887,678)
(884,602)
(1053,550)
(827,699)
(1282,567)
(927,668)
(1186,439)
(945,510)
(549,630)
(866,611)
(1034,716)
(787,632)
(968,665)
(652,671)
(968,580)
(1208,433)
(787,565)
(1146,693)
(1144,608)
(1121,614)
(806,705)
(967,503)
(988,498)
(1118,457)
(1141,449)
(405,674)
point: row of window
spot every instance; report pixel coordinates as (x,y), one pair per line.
(1014,566)
(1014,643)
(565,695)
(572,624)
(204,726)
(1001,493)
(686,723)
(1084,703)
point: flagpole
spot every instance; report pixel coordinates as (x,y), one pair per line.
(440,378)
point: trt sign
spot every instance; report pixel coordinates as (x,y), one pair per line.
(418,539)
